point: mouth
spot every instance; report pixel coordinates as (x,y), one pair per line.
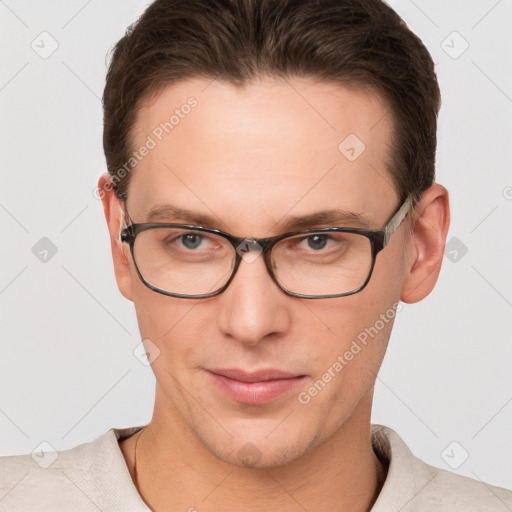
(254,388)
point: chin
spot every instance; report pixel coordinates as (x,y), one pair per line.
(257,456)
(257,449)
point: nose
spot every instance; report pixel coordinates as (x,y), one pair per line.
(253,307)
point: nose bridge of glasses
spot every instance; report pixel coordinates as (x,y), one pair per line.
(251,249)
(251,243)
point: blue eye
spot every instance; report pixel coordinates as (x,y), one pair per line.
(191,240)
(317,241)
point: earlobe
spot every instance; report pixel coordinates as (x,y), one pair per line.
(431,220)
(113,215)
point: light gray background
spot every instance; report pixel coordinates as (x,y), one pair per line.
(67,369)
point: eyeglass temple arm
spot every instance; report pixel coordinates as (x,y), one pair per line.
(397,219)
(125,222)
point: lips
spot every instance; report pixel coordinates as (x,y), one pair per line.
(257,376)
(254,388)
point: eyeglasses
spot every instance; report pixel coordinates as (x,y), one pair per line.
(192,262)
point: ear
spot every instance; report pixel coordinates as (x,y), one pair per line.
(430,223)
(120,251)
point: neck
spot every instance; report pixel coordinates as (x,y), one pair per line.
(176,472)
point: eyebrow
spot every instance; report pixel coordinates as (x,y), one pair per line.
(322,218)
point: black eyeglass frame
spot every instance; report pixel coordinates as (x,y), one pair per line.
(379,238)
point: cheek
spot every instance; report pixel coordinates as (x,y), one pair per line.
(346,367)
(159,316)
(351,344)
(175,326)
(339,321)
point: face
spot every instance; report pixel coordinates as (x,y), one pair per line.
(251,158)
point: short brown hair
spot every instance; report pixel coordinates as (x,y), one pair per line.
(350,42)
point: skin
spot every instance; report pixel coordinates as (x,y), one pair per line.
(251,157)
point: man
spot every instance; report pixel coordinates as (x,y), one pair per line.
(270,199)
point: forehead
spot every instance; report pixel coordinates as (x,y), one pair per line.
(251,155)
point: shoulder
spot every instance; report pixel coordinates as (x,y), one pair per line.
(413,485)
(80,478)
(448,491)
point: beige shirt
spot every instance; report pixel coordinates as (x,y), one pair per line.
(94,477)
